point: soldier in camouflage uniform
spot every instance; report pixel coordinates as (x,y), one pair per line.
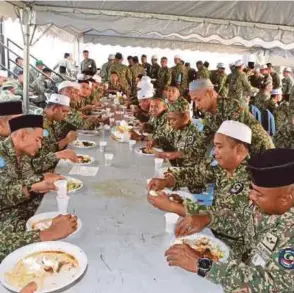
(218,78)
(216,111)
(136,70)
(287,82)
(10,240)
(179,75)
(115,86)
(21,189)
(249,70)
(263,100)
(266,227)
(238,84)
(123,71)
(183,138)
(164,78)
(284,138)
(154,67)
(275,76)
(256,79)
(228,172)
(202,72)
(33,73)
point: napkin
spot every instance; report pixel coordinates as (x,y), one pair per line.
(84,171)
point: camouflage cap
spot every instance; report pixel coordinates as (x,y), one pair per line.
(180,106)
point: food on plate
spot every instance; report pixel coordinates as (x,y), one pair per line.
(175,198)
(204,246)
(42,224)
(73,185)
(153,193)
(83,143)
(83,159)
(147,152)
(40,267)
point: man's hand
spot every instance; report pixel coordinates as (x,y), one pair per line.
(169,155)
(61,227)
(29,288)
(161,201)
(67,155)
(44,186)
(157,184)
(71,136)
(183,256)
(52,177)
(192,224)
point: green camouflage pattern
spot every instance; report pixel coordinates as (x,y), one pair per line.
(176,71)
(180,105)
(265,239)
(164,80)
(263,101)
(287,84)
(124,74)
(219,81)
(282,114)
(284,138)
(276,80)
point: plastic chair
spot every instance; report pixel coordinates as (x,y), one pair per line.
(271,123)
(199,124)
(256,113)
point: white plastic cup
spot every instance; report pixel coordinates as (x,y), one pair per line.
(108,159)
(61,186)
(158,163)
(132,144)
(171,220)
(62,204)
(102,145)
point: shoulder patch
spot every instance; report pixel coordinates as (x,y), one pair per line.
(2,162)
(45,133)
(236,188)
(286,258)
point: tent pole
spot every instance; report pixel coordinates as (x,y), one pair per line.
(79,52)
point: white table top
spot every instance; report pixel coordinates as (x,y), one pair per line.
(122,234)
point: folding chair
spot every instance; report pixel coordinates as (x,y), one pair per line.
(256,113)
(271,123)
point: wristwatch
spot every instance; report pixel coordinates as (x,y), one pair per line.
(204,266)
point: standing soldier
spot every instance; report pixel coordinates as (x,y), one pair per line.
(191,72)
(179,75)
(105,67)
(146,65)
(256,79)
(239,84)
(275,76)
(249,70)
(287,83)
(136,70)
(88,65)
(123,71)
(164,77)
(218,78)
(202,71)
(154,68)
(267,78)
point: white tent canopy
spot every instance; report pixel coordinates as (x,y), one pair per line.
(236,26)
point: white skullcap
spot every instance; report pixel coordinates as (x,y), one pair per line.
(221,65)
(146,92)
(239,63)
(3,73)
(277,91)
(287,69)
(236,130)
(178,57)
(232,64)
(200,84)
(111,57)
(154,57)
(59,99)
(144,80)
(263,67)
(97,78)
(66,84)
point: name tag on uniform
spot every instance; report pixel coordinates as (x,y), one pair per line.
(257,260)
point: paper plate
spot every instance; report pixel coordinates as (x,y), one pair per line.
(74,180)
(139,151)
(216,244)
(79,144)
(88,132)
(51,283)
(45,225)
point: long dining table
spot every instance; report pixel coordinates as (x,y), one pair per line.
(122,235)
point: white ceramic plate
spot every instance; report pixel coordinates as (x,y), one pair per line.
(79,144)
(92,160)
(33,97)
(52,283)
(139,151)
(219,245)
(45,225)
(89,132)
(71,179)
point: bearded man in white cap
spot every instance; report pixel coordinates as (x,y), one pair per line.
(179,75)
(105,67)
(228,171)
(216,110)
(218,78)
(239,84)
